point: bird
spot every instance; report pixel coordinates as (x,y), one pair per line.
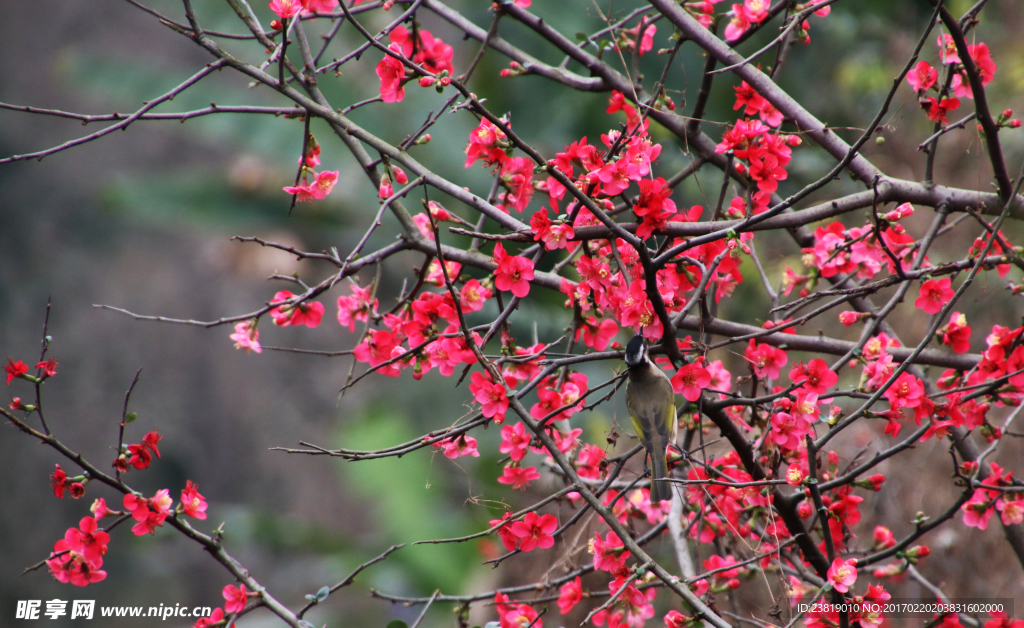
(651,403)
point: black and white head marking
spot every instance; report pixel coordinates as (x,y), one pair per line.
(636,351)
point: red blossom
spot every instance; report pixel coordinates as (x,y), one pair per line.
(690,381)
(308,314)
(816,376)
(937,110)
(514,273)
(15,369)
(59,482)
(842,574)
(193,503)
(461,445)
(515,441)
(141,454)
(766,360)
(518,477)
(922,76)
(535,531)
(235,598)
(391,72)
(935,293)
(570,595)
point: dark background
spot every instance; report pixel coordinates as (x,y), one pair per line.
(143,219)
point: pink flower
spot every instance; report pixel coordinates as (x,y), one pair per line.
(609,553)
(216,617)
(570,595)
(765,359)
(922,76)
(690,381)
(355,307)
(518,477)
(193,503)
(486,142)
(728,577)
(49,367)
(597,335)
(391,72)
(460,445)
(149,513)
(377,349)
(285,8)
(69,566)
(956,334)
(1011,511)
(141,453)
(748,99)
(14,369)
(588,462)
(493,397)
(88,540)
(509,540)
(947,49)
(59,482)
(517,175)
(321,6)
(906,392)
(473,296)
(937,110)
(842,574)
(515,441)
(815,377)
(978,510)
(302,192)
(554,236)
(247,337)
(535,531)
(323,184)
(308,314)
(513,273)
(795,475)
(235,598)
(99,509)
(739,23)
(935,293)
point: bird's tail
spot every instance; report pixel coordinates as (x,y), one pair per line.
(660,489)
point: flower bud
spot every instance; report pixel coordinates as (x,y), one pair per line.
(426,81)
(423,139)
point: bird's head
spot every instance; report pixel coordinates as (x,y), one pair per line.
(636,351)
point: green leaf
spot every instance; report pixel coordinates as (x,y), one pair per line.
(398,623)
(322,594)
(130,417)
(581,36)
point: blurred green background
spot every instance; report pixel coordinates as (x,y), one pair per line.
(143,220)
